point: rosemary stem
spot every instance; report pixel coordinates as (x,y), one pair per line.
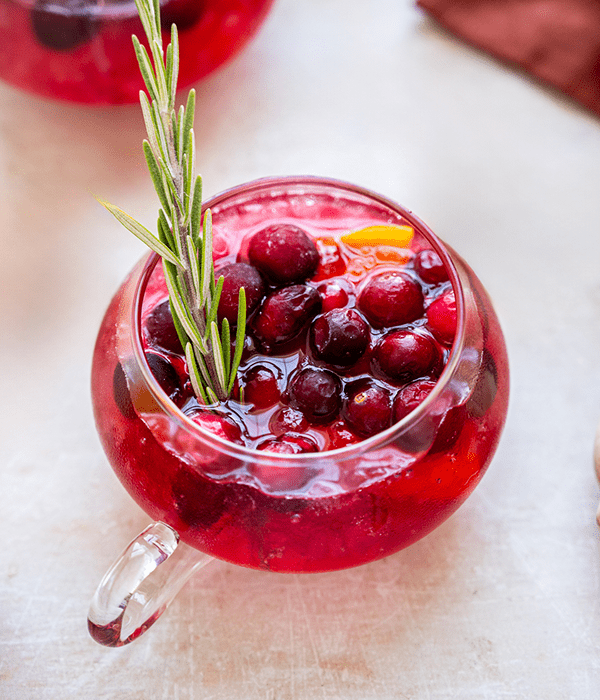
(186,252)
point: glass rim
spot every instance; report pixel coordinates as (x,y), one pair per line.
(379,440)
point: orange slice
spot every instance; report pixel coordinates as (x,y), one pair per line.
(390,235)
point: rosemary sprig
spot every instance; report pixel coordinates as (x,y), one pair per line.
(184,239)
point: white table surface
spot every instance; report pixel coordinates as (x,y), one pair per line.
(499,602)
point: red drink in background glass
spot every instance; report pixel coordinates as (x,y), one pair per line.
(316,511)
(81,50)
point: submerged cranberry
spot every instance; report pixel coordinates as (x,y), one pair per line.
(317,393)
(218,424)
(391,299)
(260,386)
(289,444)
(283,477)
(340,337)
(429,267)
(449,429)
(441,318)
(121,393)
(341,435)
(237,275)
(449,426)
(184,13)
(411,396)
(284,253)
(284,313)
(200,502)
(166,375)
(160,329)
(64,26)
(368,408)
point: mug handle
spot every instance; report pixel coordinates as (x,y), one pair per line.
(140,585)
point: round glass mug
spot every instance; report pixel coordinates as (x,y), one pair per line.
(287,513)
(81,50)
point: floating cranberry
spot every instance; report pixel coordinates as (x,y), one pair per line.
(368,408)
(166,375)
(218,424)
(429,267)
(284,313)
(289,444)
(391,299)
(287,419)
(403,356)
(317,393)
(333,294)
(340,337)
(235,276)
(63,27)
(441,318)
(184,13)
(411,396)
(260,386)
(284,253)
(160,329)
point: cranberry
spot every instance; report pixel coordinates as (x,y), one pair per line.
(340,435)
(166,375)
(486,387)
(368,408)
(449,429)
(184,13)
(317,393)
(283,477)
(284,313)
(72,25)
(429,267)
(260,386)
(199,502)
(286,420)
(237,275)
(121,393)
(411,396)
(160,329)
(340,337)
(289,444)
(403,356)
(333,294)
(284,253)
(441,318)
(391,299)
(218,424)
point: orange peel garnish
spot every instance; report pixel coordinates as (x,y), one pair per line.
(390,235)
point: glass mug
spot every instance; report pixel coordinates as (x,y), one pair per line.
(81,50)
(312,512)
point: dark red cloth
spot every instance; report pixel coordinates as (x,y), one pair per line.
(557,41)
